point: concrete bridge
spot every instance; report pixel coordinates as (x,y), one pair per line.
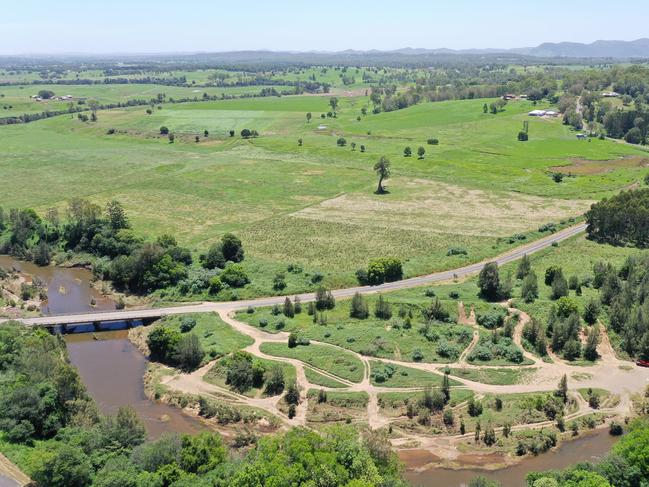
(208,307)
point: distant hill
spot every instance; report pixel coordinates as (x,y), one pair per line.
(555,53)
(598,49)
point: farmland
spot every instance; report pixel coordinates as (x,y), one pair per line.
(197,186)
(314,204)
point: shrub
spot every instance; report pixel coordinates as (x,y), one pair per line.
(417,355)
(358,307)
(492,320)
(386,269)
(432,141)
(187,323)
(456,251)
(361,276)
(474,408)
(615,429)
(279,281)
(435,311)
(324,299)
(164,130)
(566,306)
(382,309)
(234,275)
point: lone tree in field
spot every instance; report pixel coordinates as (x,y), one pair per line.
(308,117)
(407,152)
(333,101)
(421,152)
(382,169)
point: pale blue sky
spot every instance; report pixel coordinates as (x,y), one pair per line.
(110,26)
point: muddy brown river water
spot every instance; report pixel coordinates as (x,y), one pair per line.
(591,447)
(113,368)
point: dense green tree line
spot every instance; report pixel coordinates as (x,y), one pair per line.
(129,261)
(621,220)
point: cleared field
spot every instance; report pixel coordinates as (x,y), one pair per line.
(389,375)
(333,360)
(321,380)
(313,204)
(493,376)
(17,99)
(217,337)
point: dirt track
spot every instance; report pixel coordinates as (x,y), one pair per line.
(609,373)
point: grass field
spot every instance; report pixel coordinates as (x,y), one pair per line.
(333,360)
(399,376)
(503,376)
(391,338)
(217,375)
(318,379)
(314,204)
(217,337)
(17,99)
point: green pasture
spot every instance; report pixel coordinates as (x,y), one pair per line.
(314,205)
(333,360)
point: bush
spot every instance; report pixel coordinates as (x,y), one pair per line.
(382,309)
(274,380)
(358,307)
(456,251)
(435,311)
(382,270)
(189,352)
(187,323)
(432,141)
(324,299)
(234,275)
(492,320)
(474,408)
(164,130)
(615,429)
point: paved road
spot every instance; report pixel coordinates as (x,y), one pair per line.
(437,277)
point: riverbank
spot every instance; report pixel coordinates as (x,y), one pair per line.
(591,446)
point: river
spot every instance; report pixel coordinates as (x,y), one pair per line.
(591,447)
(68,288)
(112,369)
